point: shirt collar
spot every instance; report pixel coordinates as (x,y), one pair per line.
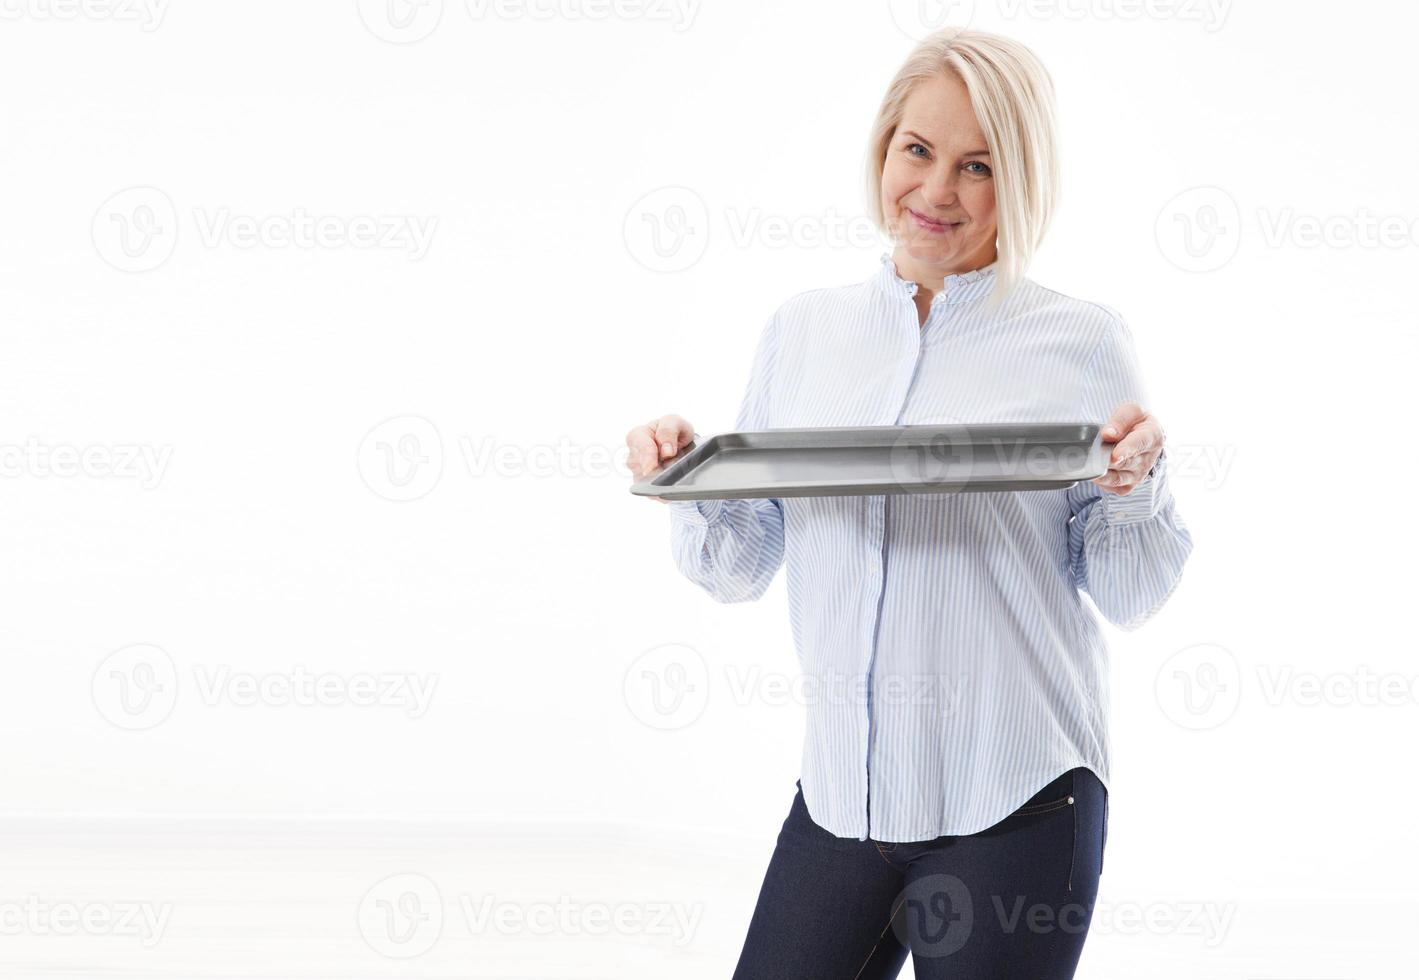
(959,287)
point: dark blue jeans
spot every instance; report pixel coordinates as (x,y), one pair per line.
(1012,902)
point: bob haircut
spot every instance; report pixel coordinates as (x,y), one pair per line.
(1013,99)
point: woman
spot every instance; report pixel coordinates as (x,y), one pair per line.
(955,802)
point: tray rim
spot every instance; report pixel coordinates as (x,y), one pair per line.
(651,487)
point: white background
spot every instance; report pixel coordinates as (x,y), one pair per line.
(530,591)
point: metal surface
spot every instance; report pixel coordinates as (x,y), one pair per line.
(883,459)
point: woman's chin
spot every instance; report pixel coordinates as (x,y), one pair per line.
(930,252)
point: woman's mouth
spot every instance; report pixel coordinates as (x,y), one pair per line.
(938,227)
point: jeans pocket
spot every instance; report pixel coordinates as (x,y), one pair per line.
(1045,807)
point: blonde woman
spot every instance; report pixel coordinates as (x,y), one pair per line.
(952,797)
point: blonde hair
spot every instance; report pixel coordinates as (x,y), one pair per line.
(1013,99)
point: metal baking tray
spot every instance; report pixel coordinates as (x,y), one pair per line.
(883,459)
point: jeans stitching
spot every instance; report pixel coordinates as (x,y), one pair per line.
(1104,836)
(1034,808)
(880,938)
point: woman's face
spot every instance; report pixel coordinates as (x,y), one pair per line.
(938,188)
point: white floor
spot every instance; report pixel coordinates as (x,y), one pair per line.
(239,898)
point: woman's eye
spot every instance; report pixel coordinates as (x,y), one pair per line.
(984,171)
(911,145)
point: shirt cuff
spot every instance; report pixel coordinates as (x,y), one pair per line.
(1143,502)
(701,512)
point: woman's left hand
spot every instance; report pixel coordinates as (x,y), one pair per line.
(1137,439)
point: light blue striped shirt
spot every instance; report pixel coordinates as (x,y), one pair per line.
(950,665)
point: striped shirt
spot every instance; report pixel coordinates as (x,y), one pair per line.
(950,666)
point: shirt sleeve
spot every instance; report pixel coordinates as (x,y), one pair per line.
(733,548)
(1127,552)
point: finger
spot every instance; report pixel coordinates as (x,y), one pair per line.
(1124,418)
(671,433)
(1120,476)
(1114,483)
(641,442)
(1138,443)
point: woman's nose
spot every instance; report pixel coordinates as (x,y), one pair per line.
(940,188)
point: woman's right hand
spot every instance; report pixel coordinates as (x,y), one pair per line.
(654,445)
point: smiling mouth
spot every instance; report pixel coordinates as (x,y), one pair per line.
(931,225)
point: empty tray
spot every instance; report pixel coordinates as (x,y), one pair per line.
(883,459)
